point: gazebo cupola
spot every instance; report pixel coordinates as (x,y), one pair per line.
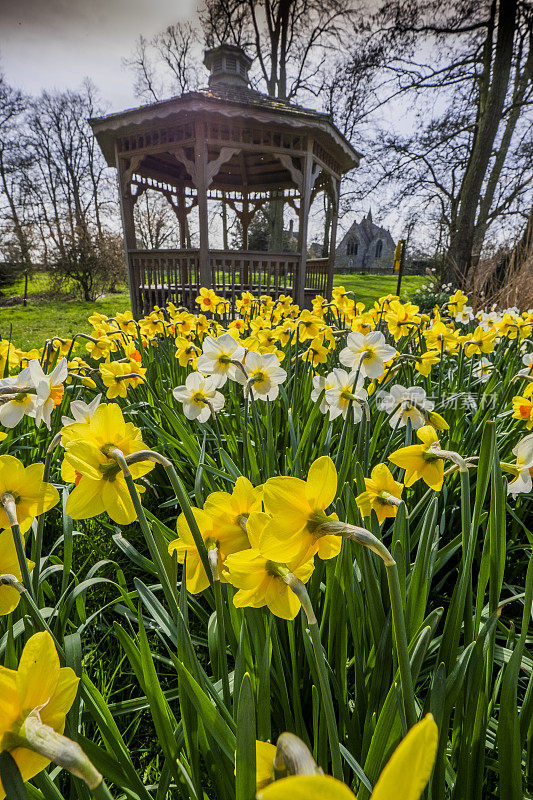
(227,64)
(229,149)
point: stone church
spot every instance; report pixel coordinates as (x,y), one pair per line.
(366,247)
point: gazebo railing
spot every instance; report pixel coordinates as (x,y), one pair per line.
(162,276)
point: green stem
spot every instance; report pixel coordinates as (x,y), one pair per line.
(169,591)
(222,651)
(402,651)
(38,547)
(325,689)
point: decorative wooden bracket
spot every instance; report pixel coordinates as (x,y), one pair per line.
(126,175)
(295,173)
(190,166)
(213,167)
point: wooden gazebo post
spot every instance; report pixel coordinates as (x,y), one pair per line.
(200,153)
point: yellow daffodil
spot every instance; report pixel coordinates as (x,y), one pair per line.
(259,579)
(112,372)
(99,482)
(8,357)
(479,342)
(232,510)
(9,565)
(227,538)
(264,764)
(32,496)
(382,494)
(38,688)
(404,776)
(401,317)
(298,508)
(424,362)
(419,461)
(523,408)
(442,338)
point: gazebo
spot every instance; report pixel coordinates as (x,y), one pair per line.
(234,145)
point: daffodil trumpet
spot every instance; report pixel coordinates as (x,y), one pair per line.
(10,507)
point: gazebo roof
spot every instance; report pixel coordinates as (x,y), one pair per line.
(237,101)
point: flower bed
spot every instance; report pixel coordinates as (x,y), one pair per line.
(302,558)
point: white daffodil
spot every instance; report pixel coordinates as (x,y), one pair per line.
(368,353)
(465,316)
(345,392)
(264,375)
(483,369)
(527,361)
(81,411)
(49,389)
(523,483)
(488,320)
(199,396)
(15,399)
(321,384)
(217,357)
(403,404)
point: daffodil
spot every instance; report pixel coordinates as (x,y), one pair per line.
(298,508)
(207,299)
(17,399)
(382,494)
(233,509)
(523,407)
(479,342)
(400,317)
(259,579)
(8,357)
(367,353)
(38,690)
(263,375)
(25,484)
(419,461)
(523,468)
(405,404)
(424,362)
(9,565)
(219,358)
(186,351)
(404,776)
(99,482)
(225,538)
(113,373)
(199,396)
(346,391)
(81,411)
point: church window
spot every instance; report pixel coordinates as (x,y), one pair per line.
(379,248)
(352,247)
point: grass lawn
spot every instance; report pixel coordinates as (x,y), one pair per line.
(41,318)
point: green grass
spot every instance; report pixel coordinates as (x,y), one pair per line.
(43,318)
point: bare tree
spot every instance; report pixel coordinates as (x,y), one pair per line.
(166,64)
(72,190)
(461,72)
(16,221)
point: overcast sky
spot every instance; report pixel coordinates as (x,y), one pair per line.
(47,44)
(55,44)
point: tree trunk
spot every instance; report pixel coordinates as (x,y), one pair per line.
(459,257)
